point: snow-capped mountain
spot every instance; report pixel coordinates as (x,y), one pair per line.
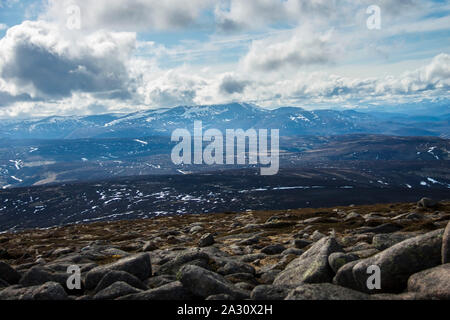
(161,122)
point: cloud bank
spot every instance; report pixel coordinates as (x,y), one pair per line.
(138,54)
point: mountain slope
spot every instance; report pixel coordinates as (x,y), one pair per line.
(161,122)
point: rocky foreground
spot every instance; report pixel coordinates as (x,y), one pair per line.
(304,254)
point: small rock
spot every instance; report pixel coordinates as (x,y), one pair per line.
(312,220)
(173,240)
(204,283)
(170,291)
(196,229)
(400,296)
(61,251)
(386,240)
(232,267)
(270,292)
(352,215)
(273,249)
(222,296)
(138,265)
(316,236)
(427,203)
(272,219)
(325,291)
(16,292)
(300,243)
(414,216)
(50,291)
(116,276)
(206,240)
(244,286)
(249,241)
(252,257)
(116,290)
(359,247)
(192,257)
(294,251)
(384,228)
(338,259)
(149,246)
(158,281)
(269,276)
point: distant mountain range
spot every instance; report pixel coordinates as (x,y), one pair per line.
(290,121)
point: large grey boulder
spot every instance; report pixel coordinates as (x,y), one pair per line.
(193,257)
(434,282)
(50,291)
(401,261)
(17,292)
(325,291)
(8,274)
(138,265)
(204,283)
(312,266)
(38,275)
(446,245)
(46,291)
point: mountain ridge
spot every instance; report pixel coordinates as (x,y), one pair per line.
(290,120)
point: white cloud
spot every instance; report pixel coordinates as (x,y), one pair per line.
(130,15)
(303,47)
(285,52)
(3,26)
(187,85)
(235,15)
(40,60)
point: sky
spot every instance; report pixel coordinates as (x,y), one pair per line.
(81,57)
